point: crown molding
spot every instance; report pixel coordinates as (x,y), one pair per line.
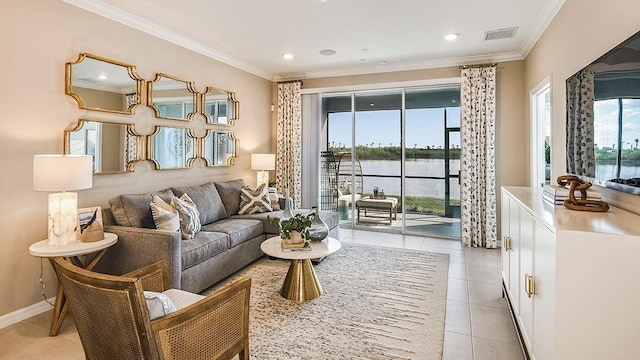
(540,25)
(103,9)
(405,66)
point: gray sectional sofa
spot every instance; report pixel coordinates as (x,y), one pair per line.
(226,243)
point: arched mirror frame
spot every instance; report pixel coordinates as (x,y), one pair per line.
(131,164)
(150,143)
(190,87)
(131,69)
(201,148)
(232,103)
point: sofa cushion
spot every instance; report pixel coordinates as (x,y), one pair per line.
(230,193)
(133,209)
(207,201)
(253,201)
(239,230)
(331,218)
(203,246)
(268,226)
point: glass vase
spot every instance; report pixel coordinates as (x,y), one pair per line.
(319,229)
(287,213)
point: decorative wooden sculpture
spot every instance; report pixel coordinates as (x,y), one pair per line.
(582,204)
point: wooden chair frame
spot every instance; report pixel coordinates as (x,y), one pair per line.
(216,327)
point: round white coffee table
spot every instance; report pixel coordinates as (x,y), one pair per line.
(301,283)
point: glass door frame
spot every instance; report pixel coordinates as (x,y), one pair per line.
(352,224)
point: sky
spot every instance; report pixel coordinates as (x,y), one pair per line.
(606,123)
(425,127)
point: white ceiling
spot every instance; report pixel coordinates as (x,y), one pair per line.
(406,34)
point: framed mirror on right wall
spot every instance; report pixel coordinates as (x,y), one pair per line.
(603,119)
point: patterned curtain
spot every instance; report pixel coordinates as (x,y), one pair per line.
(478,157)
(289,140)
(580,132)
(130,140)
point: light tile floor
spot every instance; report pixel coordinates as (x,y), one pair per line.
(478,325)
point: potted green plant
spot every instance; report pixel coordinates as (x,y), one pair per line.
(294,230)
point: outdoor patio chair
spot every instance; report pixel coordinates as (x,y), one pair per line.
(113,319)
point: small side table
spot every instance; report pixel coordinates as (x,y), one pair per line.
(71,252)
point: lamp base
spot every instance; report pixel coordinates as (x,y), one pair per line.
(263,178)
(63,218)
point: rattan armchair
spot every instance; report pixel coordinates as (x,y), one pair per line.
(113,322)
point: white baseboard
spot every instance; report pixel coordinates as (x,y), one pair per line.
(26,312)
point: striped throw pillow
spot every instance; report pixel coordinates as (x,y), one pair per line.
(254,200)
(164,215)
(189,216)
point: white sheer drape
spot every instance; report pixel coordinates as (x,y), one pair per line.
(478,157)
(289,140)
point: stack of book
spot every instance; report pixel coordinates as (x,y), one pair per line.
(556,194)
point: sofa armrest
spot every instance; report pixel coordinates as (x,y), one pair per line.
(137,248)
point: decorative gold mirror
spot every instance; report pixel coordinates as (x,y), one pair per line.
(172,98)
(115,148)
(219,106)
(171,148)
(102,84)
(219,148)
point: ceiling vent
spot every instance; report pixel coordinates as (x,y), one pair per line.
(500,34)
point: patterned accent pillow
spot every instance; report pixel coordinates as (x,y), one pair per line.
(164,215)
(254,200)
(189,216)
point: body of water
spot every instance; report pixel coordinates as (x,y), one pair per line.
(435,167)
(415,187)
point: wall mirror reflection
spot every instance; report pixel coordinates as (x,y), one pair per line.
(172,98)
(603,119)
(219,148)
(115,148)
(171,148)
(97,83)
(219,106)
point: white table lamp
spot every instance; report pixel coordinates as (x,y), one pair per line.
(62,173)
(263,163)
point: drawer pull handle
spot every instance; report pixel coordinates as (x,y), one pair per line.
(507,243)
(529,286)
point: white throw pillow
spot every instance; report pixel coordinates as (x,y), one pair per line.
(189,216)
(165,216)
(158,304)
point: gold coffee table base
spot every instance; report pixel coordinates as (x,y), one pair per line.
(301,283)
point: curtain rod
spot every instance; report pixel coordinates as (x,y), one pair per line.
(477,66)
(290,81)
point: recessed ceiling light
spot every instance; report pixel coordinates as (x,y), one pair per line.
(102,77)
(327,52)
(451,36)
(287,56)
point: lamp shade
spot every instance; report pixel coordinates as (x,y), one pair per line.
(263,161)
(62,172)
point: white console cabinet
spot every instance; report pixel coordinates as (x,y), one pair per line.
(571,278)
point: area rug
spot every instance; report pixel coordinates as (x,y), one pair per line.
(377,303)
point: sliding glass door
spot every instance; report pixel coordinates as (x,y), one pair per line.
(391,159)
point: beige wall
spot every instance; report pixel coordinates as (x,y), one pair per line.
(101,99)
(37,38)
(581,32)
